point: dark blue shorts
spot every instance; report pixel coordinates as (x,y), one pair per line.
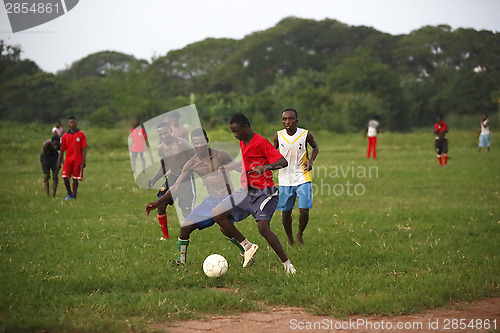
(260,203)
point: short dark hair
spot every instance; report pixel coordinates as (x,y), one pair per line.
(71,118)
(293,110)
(240,119)
(56,138)
(197,132)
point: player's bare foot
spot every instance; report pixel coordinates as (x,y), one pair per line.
(290,241)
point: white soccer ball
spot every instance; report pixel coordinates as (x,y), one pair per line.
(215,266)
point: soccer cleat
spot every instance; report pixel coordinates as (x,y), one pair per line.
(290,270)
(178,263)
(69,196)
(163,238)
(248,256)
(250,263)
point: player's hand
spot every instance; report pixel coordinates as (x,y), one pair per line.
(259,170)
(83,164)
(308,165)
(150,207)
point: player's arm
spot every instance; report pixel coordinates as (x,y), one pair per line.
(275,140)
(279,164)
(168,196)
(315,150)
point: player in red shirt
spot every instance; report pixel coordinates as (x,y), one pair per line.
(441,145)
(259,195)
(74,143)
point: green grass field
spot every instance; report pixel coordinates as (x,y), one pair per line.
(397,236)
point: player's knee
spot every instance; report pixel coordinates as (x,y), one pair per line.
(219,213)
(46,177)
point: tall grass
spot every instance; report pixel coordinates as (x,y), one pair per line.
(418,236)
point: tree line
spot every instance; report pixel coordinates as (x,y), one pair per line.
(336,75)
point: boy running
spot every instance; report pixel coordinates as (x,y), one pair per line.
(206,163)
(259,194)
(174,152)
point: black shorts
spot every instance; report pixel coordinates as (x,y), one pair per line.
(49,164)
(441,146)
(186,192)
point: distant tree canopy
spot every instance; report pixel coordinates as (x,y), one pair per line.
(336,75)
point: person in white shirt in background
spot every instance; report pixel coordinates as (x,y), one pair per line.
(484,133)
(371,132)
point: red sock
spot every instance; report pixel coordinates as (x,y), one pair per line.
(445,159)
(164,225)
(440,159)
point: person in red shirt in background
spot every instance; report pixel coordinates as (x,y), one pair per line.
(138,145)
(441,145)
(259,195)
(74,143)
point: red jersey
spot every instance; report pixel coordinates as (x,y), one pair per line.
(440,128)
(259,151)
(73,143)
(139,140)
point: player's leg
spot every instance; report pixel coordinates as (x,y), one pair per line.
(133,158)
(55,178)
(369,147)
(183,241)
(374,147)
(264,207)
(286,201)
(303,220)
(305,197)
(143,162)
(66,174)
(445,151)
(286,220)
(225,214)
(274,242)
(437,145)
(162,220)
(77,176)
(46,178)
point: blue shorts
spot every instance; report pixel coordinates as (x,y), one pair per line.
(201,215)
(260,203)
(484,140)
(288,194)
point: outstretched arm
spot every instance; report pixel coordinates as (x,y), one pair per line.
(168,196)
(279,164)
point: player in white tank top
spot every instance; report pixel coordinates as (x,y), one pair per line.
(295,179)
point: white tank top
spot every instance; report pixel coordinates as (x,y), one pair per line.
(294,150)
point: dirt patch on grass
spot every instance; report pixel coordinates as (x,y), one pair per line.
(480,316)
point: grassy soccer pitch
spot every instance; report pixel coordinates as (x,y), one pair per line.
(392,236)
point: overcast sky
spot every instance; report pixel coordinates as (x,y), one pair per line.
(151,28)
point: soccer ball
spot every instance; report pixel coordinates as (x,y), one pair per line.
(215,266)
